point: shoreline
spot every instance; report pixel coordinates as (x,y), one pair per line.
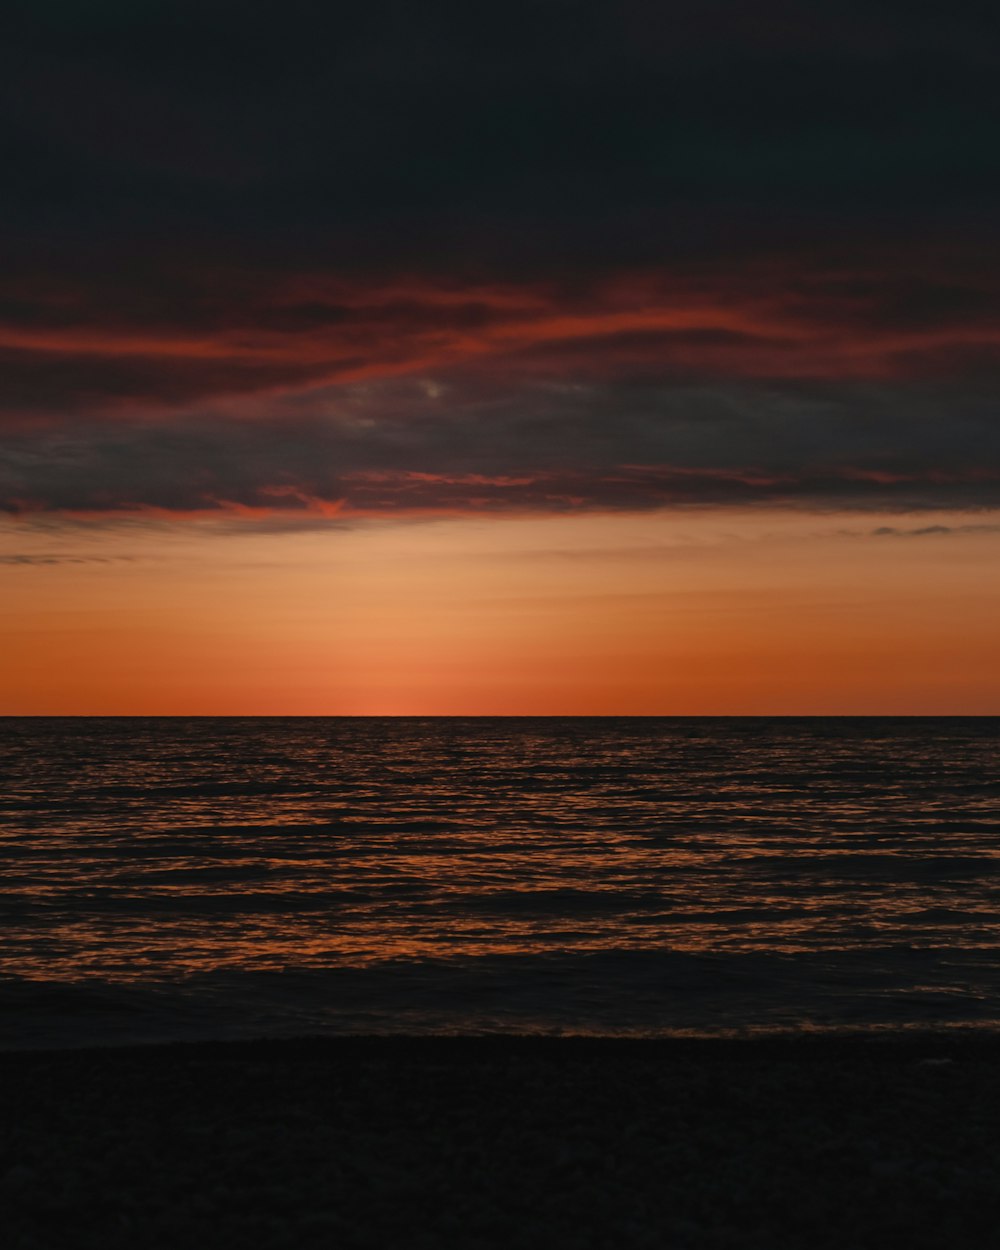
(958,1043)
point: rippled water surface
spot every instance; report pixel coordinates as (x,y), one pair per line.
(217,877)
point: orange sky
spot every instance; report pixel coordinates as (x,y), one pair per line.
(675,613)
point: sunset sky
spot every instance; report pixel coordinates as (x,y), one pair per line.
(542,357)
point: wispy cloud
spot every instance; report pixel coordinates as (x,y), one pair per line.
(31,559)
(925,531)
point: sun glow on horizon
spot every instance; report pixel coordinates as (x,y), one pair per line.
(700,612)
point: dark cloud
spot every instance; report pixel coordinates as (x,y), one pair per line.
(30,560)
(925,531)
(61,381)
(540,255)
(432,446)
(516,134)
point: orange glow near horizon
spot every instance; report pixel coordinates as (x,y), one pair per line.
(683,613)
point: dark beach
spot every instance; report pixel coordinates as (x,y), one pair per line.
(878,1140)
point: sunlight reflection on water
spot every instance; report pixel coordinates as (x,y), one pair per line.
(646,875)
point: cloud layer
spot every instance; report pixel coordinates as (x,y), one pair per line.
(414,446)
(437,258)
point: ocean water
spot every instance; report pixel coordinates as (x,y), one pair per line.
(192,878)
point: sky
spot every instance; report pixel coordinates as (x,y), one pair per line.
(536,358)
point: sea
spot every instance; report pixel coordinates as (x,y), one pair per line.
(217,878)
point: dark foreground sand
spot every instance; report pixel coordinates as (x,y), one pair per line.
(504,1142)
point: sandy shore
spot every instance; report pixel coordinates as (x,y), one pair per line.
(505,1142)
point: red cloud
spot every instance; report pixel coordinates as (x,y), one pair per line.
(62,351)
